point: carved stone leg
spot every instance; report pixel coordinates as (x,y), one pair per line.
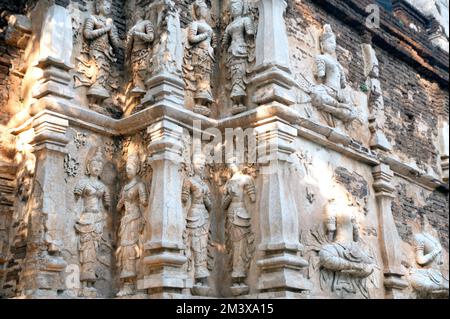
(44,264)
(164,256)
(281,262)
(389,238)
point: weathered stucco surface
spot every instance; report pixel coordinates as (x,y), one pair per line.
(339,190)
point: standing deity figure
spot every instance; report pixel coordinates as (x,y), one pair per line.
(428,280)
(329,96)
(238,52)
(343,255)
(102,37)
(132,198)
(199,58)
(91,222)
(197,222)
(240,238)
(139,51)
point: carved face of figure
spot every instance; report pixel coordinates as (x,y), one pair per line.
(132,169)
(329,45)
(95,168)
(237,8)
(202,12)
(104,7)
(199,167)
(234,168)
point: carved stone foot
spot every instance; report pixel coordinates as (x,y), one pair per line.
(203,110)
(201,290)
(98,92)
(88,292)
(239,289)
(127,290)
(137,92)
(236,109)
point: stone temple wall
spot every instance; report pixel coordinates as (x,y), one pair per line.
(222,148)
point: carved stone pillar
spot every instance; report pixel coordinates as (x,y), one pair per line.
(272,80)
(164,258)
(55,55)
(44,263)
(389,238)
(281,262)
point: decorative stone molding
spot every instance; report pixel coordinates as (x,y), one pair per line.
(164,258)
(55,55)
(393,271)
(272,80)
(281,262)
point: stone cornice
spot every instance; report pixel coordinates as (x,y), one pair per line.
(307,129)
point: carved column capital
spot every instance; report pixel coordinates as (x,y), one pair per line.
(275,141)
(50,130)
(382,185)
(165,141)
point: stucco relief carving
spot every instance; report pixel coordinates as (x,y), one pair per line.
(200,58)
(330,95)
(196,192)
(71,166)
(96,200)
(239,234)
(344,266)
(427,279)
(132,198)
(102,39)
(139,51)
(237,38)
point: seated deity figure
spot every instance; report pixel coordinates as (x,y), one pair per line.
(132,198)
(240,238)
(91,222)
(139,51)
(238,57)
(199,58)
(329,96)
(428,280)
(197,223)
(343,255)
(103,38)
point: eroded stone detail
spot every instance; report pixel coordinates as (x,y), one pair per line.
(101,35)
(197,231)
(237,38)
(96,199)
(132,198)
(139,51)
(428,280)
(199,59)
(239,235)
(344,265)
